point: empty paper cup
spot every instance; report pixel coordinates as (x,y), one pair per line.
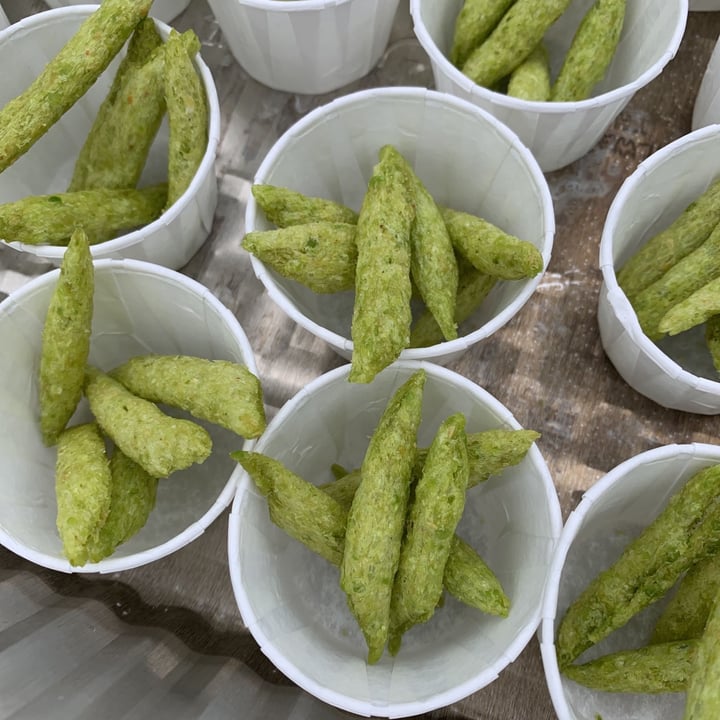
(139,308)
(559,133)
(677,371)
(291,601)
(306,46)
(173,238)
(165,10)
(610,515)
(467,160)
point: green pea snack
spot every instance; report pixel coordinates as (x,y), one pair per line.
(703,693)
(83,490)
(219,391)
(381,312)
(376,519)
(188,115)
(102,214)
(284,207)
(592,48)
(475,21)
(160,444)
(436,508)
(320,255)
(66,339)
(660,668)
(68,76)
(695,309)
(530,80)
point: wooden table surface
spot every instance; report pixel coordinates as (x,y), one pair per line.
(547,366)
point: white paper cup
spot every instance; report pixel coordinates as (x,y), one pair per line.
(139,308)
(465,157)
(173,238)
(560,133)
(676,372)
(612,513)
(165,10)
(306,46)
(291,600)
(706,110)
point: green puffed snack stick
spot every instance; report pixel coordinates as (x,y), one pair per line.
(530,80)
(296,506)
(712,339)
(703,692)
(285,207)
(82,488)
(432,260)
(66,339)
(188,114)
(695,309)
(687,530)
(102,214)
(223,392)
(66,78)
(339,471)
(377,515)
(490,249)
(470,580)
(519,31)
(319,522)
(685,277)
(435,511)
(591,51)
(686,615)
(475,21)
(122,143)
(381,313)
(320,255)
(662,668)
(132,499)
(686,233)
(160,444)
(143,41)
(473,287)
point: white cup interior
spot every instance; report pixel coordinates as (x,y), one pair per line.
(291,600)
(47,167)
(612,513)
(139,308)
(467,160)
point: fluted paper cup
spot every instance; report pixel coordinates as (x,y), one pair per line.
(139,308)
(466,158)
(172,239)
(306,46)
(165,10)
(676,372)
(558,133)
(706,110)
(612,513)
(291,601)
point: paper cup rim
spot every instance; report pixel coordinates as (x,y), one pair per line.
(616,297)
(569,533)
(276,293)
(190,533)
(616,95)
(118,244)
(296,674)
(292,7)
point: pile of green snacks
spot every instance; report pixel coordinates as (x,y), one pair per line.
(673,281)
(499,44)
(154,79)
(679,551)
(390,525)
(400,244)
(102,502)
